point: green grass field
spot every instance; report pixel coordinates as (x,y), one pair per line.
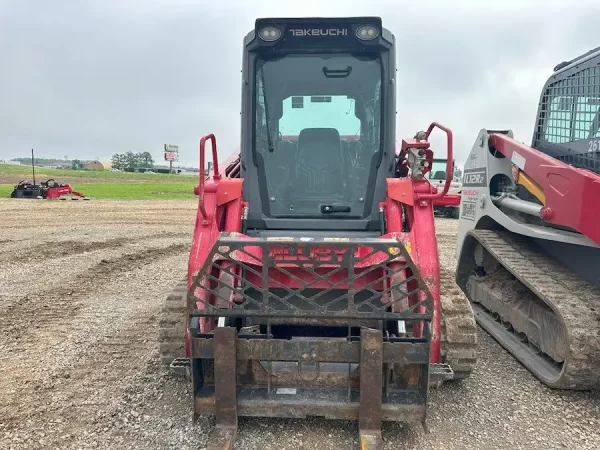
(5,190)
(127,191)
(42,173)
(106,185)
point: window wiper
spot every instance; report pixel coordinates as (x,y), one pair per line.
(264,89)
(330,209)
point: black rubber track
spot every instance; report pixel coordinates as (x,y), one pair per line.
(459,329)
(172,325)
(575,302)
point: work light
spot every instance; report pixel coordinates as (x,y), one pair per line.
(367,32)
(269,34)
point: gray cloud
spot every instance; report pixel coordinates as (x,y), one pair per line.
(110,76)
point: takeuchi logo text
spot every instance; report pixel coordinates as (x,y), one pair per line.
(319,31)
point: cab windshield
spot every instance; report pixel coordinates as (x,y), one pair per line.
(318,132)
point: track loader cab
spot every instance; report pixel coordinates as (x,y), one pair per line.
(318,125)
(568,116)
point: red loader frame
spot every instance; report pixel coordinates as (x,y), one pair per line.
(408,205)
(405,257)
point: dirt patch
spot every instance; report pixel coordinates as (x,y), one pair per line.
(59,249)
(50,250)
(64,301)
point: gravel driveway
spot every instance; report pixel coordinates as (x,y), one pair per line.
(81,284)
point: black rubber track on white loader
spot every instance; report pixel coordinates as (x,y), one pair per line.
(575,302)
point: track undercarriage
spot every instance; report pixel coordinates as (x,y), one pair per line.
(544,314)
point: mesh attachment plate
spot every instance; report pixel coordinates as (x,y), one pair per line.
(337,278)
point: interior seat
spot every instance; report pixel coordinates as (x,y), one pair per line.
(319,166)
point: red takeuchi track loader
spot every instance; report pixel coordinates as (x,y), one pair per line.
(313,286)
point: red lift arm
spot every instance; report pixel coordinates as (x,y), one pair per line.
(571,196)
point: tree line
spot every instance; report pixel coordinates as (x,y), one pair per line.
(130,160)
(40,161)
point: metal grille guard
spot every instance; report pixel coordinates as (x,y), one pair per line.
(309,278)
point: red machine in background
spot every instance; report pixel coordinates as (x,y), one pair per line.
(449,204)
(50,189)
(55,190)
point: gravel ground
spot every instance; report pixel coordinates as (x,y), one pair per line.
(80,287)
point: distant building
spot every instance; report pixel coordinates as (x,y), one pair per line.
(97,165)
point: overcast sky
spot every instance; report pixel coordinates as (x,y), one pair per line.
(87,79)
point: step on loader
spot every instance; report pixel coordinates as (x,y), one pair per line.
(314,286)
(528,244)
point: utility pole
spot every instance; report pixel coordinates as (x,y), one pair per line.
(33,166)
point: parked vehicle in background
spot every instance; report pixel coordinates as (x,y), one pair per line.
(449,204)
